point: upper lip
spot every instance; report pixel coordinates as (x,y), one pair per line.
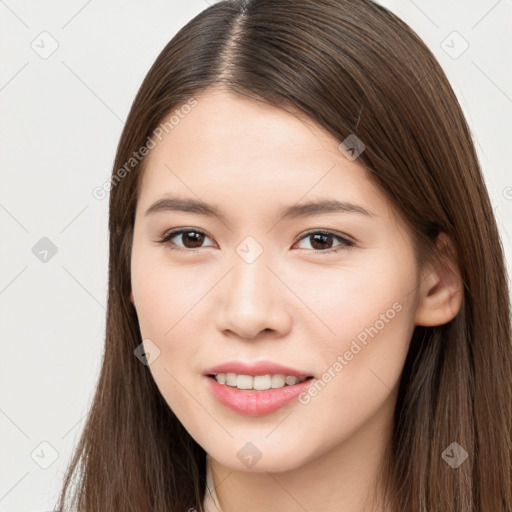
(256,368)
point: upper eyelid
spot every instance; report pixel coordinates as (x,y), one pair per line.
(179,231)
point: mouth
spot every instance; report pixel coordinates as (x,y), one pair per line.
(258,382)
(256,388)
(242,396)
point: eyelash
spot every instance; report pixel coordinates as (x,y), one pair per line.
(345,243)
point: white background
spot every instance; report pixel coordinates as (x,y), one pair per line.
(61,118)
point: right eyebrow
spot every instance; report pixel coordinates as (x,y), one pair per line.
(184,205)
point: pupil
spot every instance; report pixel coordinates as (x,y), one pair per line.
(195,238)
(322,238)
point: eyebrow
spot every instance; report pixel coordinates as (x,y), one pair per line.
(167,204)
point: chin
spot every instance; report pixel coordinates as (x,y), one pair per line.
(276,461)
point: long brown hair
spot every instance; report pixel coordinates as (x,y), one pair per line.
(354,68)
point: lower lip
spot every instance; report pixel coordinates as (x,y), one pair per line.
(255,403)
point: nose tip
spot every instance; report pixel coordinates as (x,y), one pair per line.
(251,302)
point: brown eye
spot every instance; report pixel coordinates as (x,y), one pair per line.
(192,239)
(189,238)
(323,241)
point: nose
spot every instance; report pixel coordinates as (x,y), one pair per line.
(253,301)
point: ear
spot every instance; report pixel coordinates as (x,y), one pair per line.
(441,288)
(131,298)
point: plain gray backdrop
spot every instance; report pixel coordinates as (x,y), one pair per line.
(68,74)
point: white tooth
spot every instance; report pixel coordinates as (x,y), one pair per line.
(259,382)
(262,382)
(244,382)
(231,379)
(278,380)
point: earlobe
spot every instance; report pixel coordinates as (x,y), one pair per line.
(441,288)
(131,298)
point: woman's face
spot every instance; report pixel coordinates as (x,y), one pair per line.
(327,291)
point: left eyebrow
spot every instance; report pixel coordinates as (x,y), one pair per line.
(298,210)
(325,206)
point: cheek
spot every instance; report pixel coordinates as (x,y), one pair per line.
(169,301)
(166,301)
(164,294)
(354,294)
(367,316)
(360,365)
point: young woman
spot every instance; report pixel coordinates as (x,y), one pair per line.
(308,304)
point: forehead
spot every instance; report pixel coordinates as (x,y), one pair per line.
(236,147)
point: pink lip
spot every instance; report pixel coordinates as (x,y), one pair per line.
(259,368)
(255,403)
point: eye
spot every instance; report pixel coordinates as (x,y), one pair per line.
(191,238)
(322,241)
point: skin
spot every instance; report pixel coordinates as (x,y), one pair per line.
(291,305)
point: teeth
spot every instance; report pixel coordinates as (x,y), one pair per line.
(230,379)
(290,381)
(261,382)
(258,382)
(244,382)
(221,378)
(278,381)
